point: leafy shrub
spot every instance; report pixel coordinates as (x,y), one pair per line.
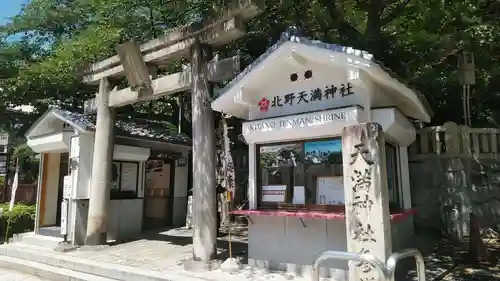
(22,219)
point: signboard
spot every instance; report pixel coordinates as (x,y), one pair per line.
(330,191)
(3,168)
(299,194)
(64,217)
(320,151)
(75,147)
(306,96)
(273,193)
(67,187)
(300,121)
(129,175)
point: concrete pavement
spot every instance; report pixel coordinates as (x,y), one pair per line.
(11,275)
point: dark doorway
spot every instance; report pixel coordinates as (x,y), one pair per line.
(158,201)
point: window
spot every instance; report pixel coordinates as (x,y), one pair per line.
(301,173)
(392,175)
(309,175)
(124,180)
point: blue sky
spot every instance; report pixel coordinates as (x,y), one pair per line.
(10,8)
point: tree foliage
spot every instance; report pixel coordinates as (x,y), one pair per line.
(418,40)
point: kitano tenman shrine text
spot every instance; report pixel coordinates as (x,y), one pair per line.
(300,121)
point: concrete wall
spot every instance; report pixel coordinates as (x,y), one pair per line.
(444,191)
(124,218)
(292,244)
(51,188)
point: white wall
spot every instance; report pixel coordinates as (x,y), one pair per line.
(323,77)
(125,216)
(272,243)
(84,150)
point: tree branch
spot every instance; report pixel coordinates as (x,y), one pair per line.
(441,60)
(342,25)
(394,12)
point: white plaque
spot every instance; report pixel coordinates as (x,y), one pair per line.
(129,175)
(75,147)
(330,191)
(299,195)
(64,217)
(273,193)
(67,187)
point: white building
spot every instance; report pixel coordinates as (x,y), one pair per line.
(150,175)
(296,100)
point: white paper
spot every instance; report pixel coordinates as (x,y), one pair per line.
(67,187)
(273,193)
(299,196)
(64,217)
(129,177)
(330,191)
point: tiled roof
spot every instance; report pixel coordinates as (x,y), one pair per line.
(138,128)
(293,34)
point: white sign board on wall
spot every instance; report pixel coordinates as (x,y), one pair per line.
(330,191)
(129,176)
(64,217)
(304,126)
(310,87)
(273,193)
(67,186)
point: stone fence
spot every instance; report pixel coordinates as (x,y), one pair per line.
(455,170)
(452,140)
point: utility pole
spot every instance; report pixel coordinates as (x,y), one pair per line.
(467,78)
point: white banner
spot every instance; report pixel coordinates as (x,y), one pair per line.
(64,217)
(15,184)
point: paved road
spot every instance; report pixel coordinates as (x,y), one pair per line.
(11,275)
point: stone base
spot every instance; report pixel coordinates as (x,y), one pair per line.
(200,266)
(300,270)
(231,265)
(64,247)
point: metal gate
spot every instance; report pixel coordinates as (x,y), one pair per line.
(386,270)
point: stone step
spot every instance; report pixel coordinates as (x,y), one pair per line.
(31,238)
(48,272)
(40,255)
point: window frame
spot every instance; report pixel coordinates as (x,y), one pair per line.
(396,207)
(118,194)
(290,206)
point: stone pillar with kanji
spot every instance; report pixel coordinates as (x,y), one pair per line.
(368,222)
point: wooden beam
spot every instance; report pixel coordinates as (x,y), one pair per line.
(245,9)
(216,35)
(170,84)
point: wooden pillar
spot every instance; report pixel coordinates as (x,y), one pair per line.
(204,193)
(366,197)
(100,184)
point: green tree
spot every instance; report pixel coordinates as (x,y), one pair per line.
(418,40)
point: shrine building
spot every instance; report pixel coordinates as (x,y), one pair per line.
(149,176)
(295,101)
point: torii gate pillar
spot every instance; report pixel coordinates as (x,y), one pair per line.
(204,195)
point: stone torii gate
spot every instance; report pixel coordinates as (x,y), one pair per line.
(138,64)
